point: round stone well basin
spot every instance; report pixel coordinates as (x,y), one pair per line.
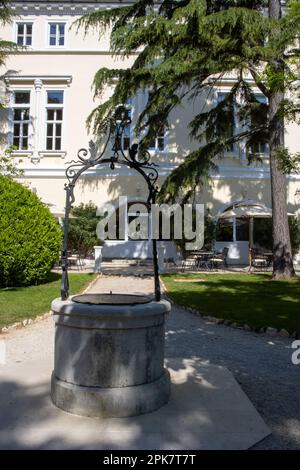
(109,355)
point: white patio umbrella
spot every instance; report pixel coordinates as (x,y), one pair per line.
(248,211)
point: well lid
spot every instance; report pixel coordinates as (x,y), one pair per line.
(111,299)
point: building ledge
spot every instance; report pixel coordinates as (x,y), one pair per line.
(31,78)
(52,153)
(22,153)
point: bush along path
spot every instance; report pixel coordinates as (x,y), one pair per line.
(30,236)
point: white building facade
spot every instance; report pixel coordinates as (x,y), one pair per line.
(47,90)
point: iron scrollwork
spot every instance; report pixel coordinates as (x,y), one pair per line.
(136,158)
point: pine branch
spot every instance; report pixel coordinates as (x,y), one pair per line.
(260,84)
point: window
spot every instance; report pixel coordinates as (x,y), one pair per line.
(159,142)
(24,34)
(226,127)
(224,230)
(124,112)
(21,119)
(127,130)
(242,230)
(54,119)
(259,147)
(57,34)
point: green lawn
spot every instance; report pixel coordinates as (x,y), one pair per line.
(249,299)
(18,303)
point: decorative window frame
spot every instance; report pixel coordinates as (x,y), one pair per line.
(236,151)
(129,106)
(44,106)
(156,149)
(266,154)
(47,33)
(10,134)
(29,20)
(55,107)
(240,150)
(139,103)
(36,84)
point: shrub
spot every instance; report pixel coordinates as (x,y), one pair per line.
(82,235)
(30,237)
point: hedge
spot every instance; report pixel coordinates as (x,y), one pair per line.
(30,237)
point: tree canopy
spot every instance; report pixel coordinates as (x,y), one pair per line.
(185,47)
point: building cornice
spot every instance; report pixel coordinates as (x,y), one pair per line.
(70,6)
(226,172)
(66,51)
(72,2)
(67,79)
(64,7)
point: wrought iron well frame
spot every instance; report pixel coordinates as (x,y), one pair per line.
(136,159)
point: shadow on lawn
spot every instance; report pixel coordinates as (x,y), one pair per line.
(52,277)
(259,301)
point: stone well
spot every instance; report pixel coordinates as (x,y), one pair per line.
(109,355)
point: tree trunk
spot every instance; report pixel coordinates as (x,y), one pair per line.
(283,263)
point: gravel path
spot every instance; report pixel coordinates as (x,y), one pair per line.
(261,364)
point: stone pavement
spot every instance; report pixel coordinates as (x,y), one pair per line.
(260,364)
(207,410)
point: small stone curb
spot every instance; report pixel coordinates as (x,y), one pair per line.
(264,330)
(22,324)
(29,321)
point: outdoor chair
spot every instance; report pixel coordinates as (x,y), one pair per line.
(219,260)
(259,260)
(190,262)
